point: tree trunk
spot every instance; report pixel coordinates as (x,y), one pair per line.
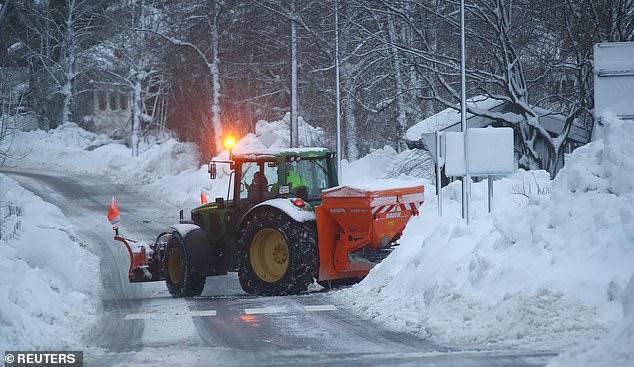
(351,131)
(398,80)
(215,82)
(137,103)
(3,10)
(352,150)
(69,64)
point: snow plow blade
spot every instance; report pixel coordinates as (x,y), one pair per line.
(357,228)
(145,263)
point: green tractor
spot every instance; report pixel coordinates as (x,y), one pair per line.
(284,224)
(265,228)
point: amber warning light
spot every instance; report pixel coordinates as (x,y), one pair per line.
(229,142)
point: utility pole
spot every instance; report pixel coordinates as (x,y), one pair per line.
(336,10)
(466,179)
(294,123)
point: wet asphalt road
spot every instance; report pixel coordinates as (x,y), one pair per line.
(140,324)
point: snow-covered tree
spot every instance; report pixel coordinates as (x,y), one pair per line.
(131,57)
(185,22)
(56,38)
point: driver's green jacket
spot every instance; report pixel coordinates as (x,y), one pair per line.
(295,179)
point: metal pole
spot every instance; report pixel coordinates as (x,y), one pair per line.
(438,173)
(466,179)
(339,171)
(490,190)
(294,124)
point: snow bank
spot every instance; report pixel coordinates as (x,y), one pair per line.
(386,163)
(542,272)
(616,350)
(70,148)
(49,282)
(271,135)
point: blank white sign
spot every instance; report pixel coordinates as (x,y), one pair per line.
(454,154)
(489,152)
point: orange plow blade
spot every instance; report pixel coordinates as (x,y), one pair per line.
(357,227)
(146,264)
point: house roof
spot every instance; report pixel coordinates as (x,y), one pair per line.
(447,118)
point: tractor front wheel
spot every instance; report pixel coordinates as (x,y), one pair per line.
(278,256)
(183,279)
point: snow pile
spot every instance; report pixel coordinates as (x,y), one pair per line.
(48,281)
(616,350)
(386,163)
(542,272)
(276,134)
(70,148)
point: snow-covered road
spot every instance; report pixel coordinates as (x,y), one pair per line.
(140,324)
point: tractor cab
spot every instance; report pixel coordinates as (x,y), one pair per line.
(293,173)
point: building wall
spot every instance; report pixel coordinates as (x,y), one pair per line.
(111,111)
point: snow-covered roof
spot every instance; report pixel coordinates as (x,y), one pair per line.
(244,153)
(449,117)
(553,122)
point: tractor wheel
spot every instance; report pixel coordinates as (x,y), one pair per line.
(277,255)
(183,279)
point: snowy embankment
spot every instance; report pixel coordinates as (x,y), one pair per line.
(547,270)
(49,283)
(72,149)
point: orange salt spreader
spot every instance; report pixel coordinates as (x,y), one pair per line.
(357,227)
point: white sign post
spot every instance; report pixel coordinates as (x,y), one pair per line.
(440,162)
(485,152)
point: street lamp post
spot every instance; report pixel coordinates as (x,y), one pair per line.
(339,170)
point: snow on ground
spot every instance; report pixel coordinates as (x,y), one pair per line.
(615,350)
(48,280)
(545,271)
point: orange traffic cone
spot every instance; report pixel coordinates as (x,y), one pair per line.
(113,212)
(203,197)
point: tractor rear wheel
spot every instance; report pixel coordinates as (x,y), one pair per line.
(183,279)
(277,255)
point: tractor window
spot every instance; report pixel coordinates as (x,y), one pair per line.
(258,181)
(307,177)
(270,172)
(248,171)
